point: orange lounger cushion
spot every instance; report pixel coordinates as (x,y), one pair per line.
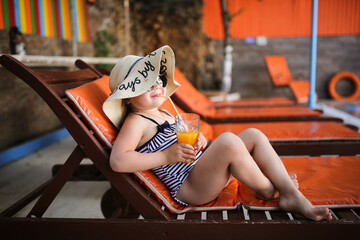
(301,90)
(278,70)
(299,131)
(88,100)
(266,111)
(325,181)
(228,199)
(255,102)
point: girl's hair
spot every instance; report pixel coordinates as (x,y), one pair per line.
(125,111)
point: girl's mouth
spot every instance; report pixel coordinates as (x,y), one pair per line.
(159,95)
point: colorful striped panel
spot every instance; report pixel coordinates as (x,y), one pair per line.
(49,18)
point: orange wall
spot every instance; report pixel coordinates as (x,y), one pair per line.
(283,18)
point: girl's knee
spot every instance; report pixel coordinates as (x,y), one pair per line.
(230,143)
(228,138)
(252,133)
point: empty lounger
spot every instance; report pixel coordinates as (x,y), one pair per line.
(190,100)
(292,138)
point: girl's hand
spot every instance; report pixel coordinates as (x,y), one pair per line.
(179,152)
(201,142)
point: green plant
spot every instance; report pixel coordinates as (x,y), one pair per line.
(102,49)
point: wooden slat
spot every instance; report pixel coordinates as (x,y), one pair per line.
(62,87)
(279,215)
(257,215)
(193,216)
(236,215)
(56,77)
(215,215)
(334,216)
(356,211)
(347,214)
(83,65)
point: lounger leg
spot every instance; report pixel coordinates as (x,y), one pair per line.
(115,205)
(57,183)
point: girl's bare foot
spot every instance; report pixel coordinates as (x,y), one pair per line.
(274,193)
(297,203)
(293,177)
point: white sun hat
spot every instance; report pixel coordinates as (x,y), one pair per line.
(134,75)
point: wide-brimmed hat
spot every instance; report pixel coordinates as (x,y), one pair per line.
(134,75)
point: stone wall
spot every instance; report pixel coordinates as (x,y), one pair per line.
(23,114)
(179,25)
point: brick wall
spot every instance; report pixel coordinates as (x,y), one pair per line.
(250,76)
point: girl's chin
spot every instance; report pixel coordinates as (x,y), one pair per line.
(159,96)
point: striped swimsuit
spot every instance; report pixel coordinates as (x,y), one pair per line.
(172,175)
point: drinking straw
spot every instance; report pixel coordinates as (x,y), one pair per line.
(178,114)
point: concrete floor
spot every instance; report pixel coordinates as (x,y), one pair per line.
(76,199)
(348,111)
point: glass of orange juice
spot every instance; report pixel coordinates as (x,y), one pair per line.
(187,128)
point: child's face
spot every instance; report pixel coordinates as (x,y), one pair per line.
(149,100)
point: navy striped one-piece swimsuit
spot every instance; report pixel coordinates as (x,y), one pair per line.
(172,175)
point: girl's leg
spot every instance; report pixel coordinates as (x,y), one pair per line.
(291,199)
(267,159)
(229,155)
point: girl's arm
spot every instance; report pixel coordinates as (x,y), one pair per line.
(124,158)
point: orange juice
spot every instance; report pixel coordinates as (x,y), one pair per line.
(188,137)
(187,129)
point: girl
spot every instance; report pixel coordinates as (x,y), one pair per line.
(147,140)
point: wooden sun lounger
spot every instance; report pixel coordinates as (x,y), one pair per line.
(251,102)
(191,100)
(157,222)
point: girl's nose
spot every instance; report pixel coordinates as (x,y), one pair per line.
(157,86)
